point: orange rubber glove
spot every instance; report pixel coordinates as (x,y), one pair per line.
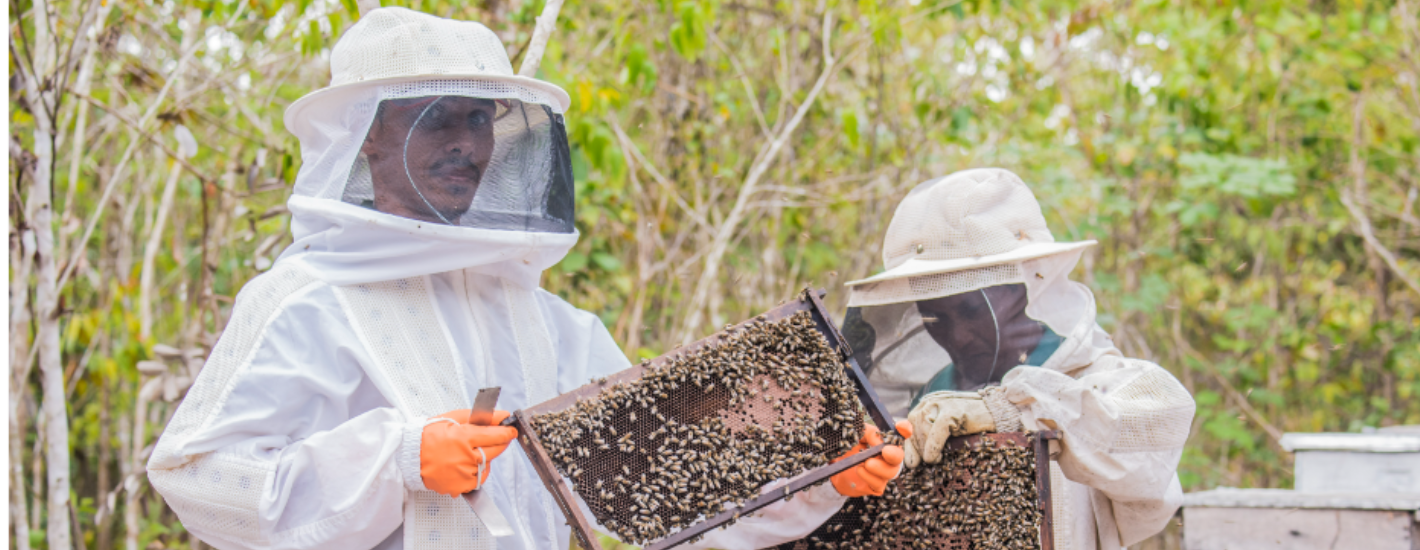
(872,476)
(454,455)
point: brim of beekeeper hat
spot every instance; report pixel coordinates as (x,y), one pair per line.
(915,268)
(327,103)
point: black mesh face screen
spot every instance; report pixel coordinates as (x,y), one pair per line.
(862,339)
(703,432)
(986,332)
(474,162)
(561,189)
(981,496)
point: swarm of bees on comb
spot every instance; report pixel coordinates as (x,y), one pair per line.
(700,432)
(980,497)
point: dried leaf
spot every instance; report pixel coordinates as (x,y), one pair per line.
(170,388)
(165,351)
(151,389)
(194,366)
(152,368)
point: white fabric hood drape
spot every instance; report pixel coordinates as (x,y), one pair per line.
(347,244)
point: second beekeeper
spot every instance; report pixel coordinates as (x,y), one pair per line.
(975,326)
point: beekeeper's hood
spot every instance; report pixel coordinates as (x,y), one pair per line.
(974,285)
(428,154)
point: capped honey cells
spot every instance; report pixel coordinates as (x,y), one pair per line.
(700,432)
(980,497)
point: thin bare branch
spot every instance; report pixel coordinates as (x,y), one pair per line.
(744,81)
(709,276)
(669,187)
(546,24)
(1363,226)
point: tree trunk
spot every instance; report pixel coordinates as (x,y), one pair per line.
(165,206)
(150,254)
(135,471)
(103,536)
(21,248)
(41,216)
(37,472)
(546,23)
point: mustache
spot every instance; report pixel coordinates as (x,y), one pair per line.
(455,166)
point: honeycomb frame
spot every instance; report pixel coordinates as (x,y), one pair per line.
(781,396)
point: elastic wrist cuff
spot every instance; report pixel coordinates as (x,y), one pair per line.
(408,458)
(1003,412)
(823,492)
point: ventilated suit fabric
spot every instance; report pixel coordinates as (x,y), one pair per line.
(394,45)
(965,231)
(1123,422)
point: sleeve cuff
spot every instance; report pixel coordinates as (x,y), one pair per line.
(409,456)
(1004,413)
(821,494)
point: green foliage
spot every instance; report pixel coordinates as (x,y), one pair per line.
(688,34)
(1235,175)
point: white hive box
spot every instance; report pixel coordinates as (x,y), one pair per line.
(1352,491)
(1247,519)
(1380,462)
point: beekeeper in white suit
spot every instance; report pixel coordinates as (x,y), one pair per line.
(974,326)
(435,188)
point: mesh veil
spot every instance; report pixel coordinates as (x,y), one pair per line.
(997,318)
(400,149)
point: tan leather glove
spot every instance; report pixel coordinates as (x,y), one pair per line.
(942,415)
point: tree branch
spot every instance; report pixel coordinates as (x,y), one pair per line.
(744,81)
(761,165)
(630,146)
(1358,187)
(1233,394)
(1363,226)
(546,23)
(138,131)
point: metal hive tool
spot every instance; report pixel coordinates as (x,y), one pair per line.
(669,449)
(991,491)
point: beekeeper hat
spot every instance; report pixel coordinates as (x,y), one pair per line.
(960,232)
(391,46)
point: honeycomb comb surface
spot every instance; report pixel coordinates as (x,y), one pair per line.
(705,430)
(980,497)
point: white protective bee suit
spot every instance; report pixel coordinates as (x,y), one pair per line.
(303,429)
(971,266)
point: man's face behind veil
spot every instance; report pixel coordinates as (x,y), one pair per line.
(428,155)
(986,331)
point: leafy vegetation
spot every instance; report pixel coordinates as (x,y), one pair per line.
(1249,168)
